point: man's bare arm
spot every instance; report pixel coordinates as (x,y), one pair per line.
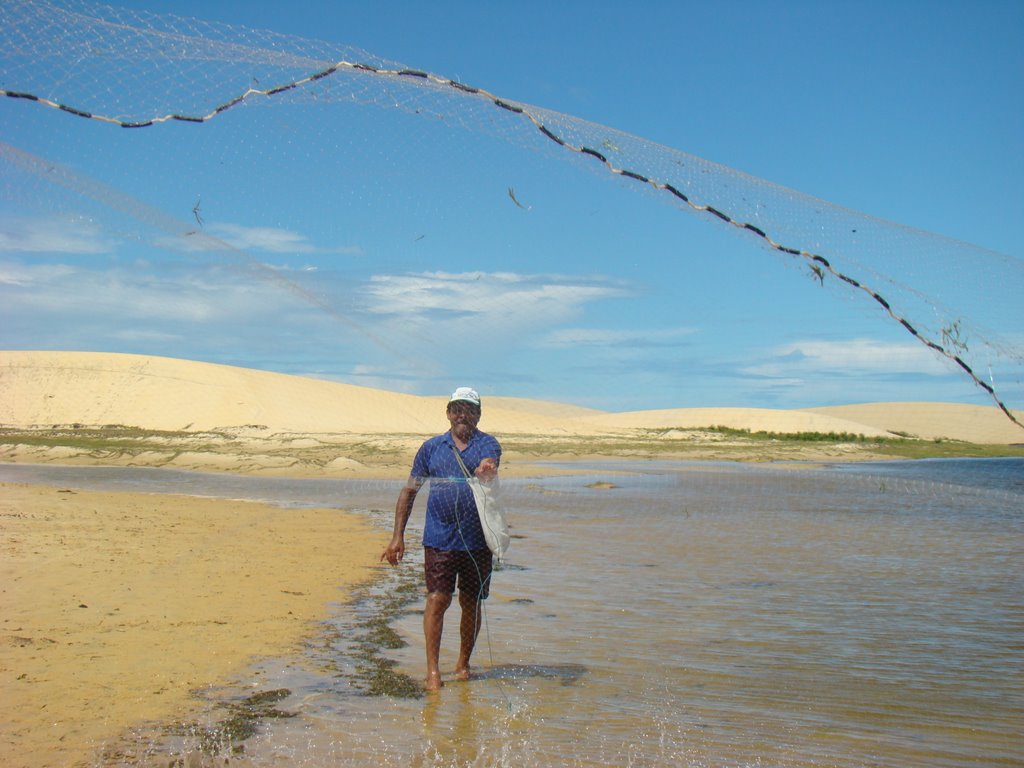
(395,550)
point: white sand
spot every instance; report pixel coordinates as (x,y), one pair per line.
(95,389)
(948,421)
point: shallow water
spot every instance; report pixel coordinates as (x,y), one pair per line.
(695,614)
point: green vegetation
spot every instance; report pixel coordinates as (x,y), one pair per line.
(117,444)
(728,444)
(374,635)
(800,437)
(226,736)
(946,449)
(111,437)
(901,445)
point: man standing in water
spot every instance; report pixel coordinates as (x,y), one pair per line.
(453,540)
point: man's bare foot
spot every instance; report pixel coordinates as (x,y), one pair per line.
(463,673)
(433,681)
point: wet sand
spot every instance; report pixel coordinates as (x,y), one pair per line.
(117,607)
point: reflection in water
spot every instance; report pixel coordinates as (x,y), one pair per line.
(567,673)
(707,616)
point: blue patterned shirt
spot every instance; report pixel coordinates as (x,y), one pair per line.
(452,522)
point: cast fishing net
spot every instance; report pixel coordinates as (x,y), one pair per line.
(181,188)
(407,230)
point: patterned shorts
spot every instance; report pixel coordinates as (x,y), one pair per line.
(471,570)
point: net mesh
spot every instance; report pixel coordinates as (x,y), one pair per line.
(470,187)
(175,187)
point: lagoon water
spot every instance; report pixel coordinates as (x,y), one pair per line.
(693,614)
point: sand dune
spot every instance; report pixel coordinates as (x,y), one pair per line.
(932,421)
(43,388)
(754,419)
(94,389)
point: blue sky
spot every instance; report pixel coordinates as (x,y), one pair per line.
(581,289)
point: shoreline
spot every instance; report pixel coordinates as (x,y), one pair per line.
(388,456)
(119,609)
(76,641)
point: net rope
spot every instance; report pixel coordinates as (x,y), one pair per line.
(819,265)
(123,68)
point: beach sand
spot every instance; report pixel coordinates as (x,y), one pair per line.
(134,410)
(116,607)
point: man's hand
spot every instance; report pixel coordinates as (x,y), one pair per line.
(395,551)
(488,470)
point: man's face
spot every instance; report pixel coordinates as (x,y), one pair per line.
(463,417)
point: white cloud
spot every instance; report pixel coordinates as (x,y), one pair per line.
(57,234)
(237,237)
(146,337)
(270,239)
(120,295)
(27,275)
(495,296)
(854,356)
(606,337)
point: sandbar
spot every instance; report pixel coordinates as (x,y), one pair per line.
(115,608)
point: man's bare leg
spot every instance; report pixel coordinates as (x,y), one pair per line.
(433,625)
(469,628)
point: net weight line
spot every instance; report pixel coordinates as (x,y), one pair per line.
(818,264)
